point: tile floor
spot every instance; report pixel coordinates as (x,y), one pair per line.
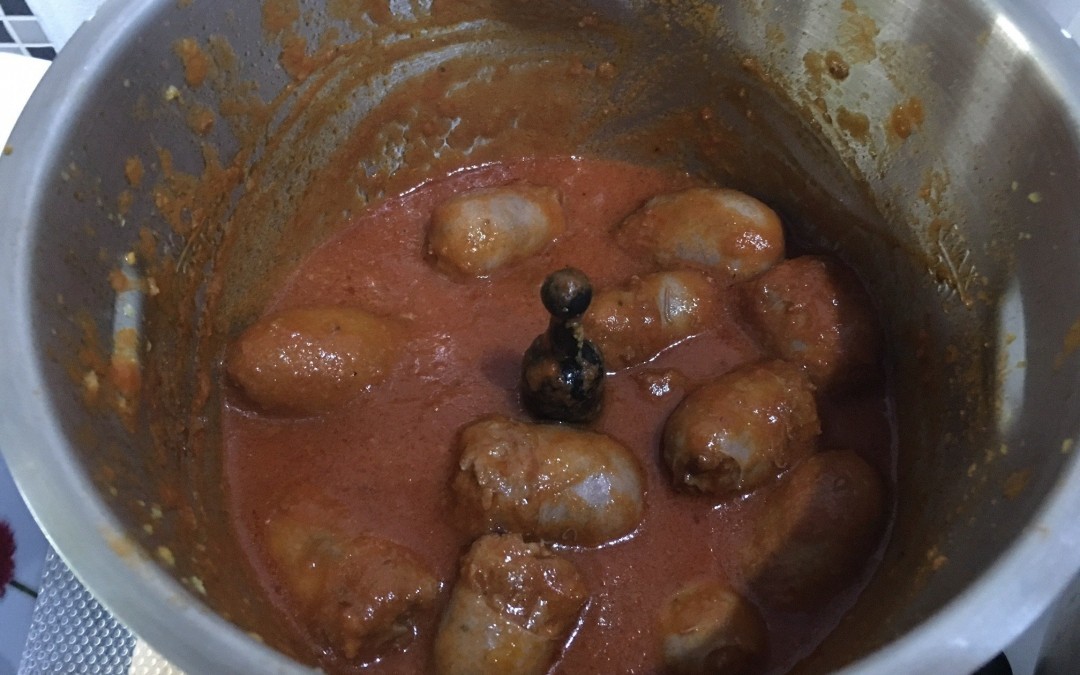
(21,33)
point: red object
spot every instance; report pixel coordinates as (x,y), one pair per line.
(7,556)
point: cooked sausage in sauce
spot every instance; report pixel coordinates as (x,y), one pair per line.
(724,231)
(814,532)
(309,360)
(477,232)
(360,596)
(635,321)
(512,608)
(812,311)
(548,481)
(740,431)
(709,629)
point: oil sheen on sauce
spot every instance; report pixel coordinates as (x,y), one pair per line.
(381,464)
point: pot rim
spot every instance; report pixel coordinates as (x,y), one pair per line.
(1021,583)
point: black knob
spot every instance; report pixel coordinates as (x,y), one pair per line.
(999,665)
(567,293)
(562,373)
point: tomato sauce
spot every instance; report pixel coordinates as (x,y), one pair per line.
(381,464)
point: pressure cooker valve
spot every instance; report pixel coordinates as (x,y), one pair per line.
(562,373)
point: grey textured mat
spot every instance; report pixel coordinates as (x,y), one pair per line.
(71,632)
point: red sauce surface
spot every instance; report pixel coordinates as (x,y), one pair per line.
(383,461)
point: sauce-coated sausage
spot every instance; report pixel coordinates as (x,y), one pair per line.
(511,610)
(814,312)
(724,231)
(477,232)
(738,432)
(709,629)
(635,322)
(814,532)
(309,360)
(547,481)
(359,596)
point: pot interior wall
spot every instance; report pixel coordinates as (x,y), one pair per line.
(220,144)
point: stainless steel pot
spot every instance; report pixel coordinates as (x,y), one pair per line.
(935,145)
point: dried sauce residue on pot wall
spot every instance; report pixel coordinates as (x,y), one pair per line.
(906,117)
(1069,345)
(854,123)
(857,34)
(196,63)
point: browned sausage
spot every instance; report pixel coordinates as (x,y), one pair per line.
(546,481)
(477,232)
(814,532)
(739,431)
(358,596)
(724,231)
(814,312)
(310,360)
(635,322)
(511,610)
(709,629)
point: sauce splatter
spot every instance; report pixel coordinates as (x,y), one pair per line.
(836,65)
(906,117)
(1069,345)
(854,123)
(196,63)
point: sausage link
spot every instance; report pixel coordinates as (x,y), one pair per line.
(547,481)
(813,311)
(310,360)
(477,232)
(359,596)
(741,430)
(634,322)
(511,610)
(709,629)
(723,231)
(814,532)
